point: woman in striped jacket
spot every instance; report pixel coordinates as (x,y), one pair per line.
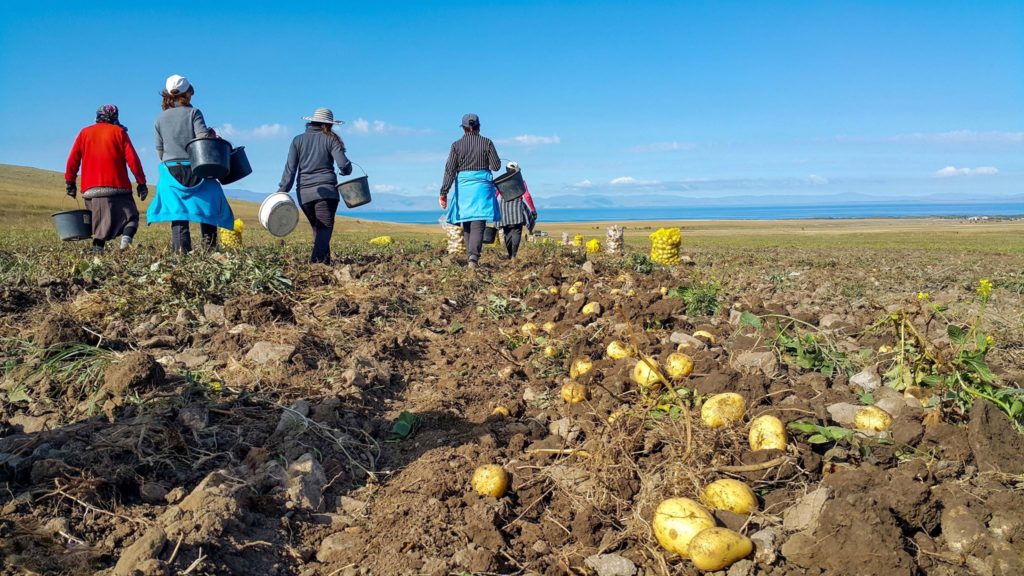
(515,214)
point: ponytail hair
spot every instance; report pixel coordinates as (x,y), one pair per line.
(328,131)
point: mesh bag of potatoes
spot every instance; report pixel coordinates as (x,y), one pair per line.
(577,241)
(614,244)
(231,238)
(593,246)
(665,246)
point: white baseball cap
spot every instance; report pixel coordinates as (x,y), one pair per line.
(176,84)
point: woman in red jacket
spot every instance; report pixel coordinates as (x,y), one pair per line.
(102,150)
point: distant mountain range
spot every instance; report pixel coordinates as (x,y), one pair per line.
(384,202)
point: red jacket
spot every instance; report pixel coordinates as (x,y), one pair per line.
(102,150)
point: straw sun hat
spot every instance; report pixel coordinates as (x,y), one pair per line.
(324,116)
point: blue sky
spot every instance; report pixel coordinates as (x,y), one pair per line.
(704,99)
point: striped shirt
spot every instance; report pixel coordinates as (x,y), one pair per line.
(471,152)
(516,212)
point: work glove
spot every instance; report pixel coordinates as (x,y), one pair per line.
(71,189)
(443,201)
(143,192)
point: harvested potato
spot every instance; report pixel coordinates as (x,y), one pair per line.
(718,548)
(574,392)
(731,495)
(677,521)
(575,288)
(550,351)
(500,411)
(617,350)
(529,330)
(663,290)
(548,327)
(644,373)
(490,480)
(705,335)
(679,365)
(723,409)
(767,433)
(553,290)
(591,308)
(872,418)
(580,366)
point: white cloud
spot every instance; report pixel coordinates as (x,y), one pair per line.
(816,180)
(386,188)
(663,147)
(949,171)
(531,140)
(585,183)
(364,126)
(630,181)
(263,131)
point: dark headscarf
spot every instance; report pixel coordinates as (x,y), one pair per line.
(107,114)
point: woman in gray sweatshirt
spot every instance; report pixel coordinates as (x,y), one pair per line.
(311,160)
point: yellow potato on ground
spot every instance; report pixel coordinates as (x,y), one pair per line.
(872,418)
(767,433)
(550,351)
(490,480)
(591,308)
(643,374)
(718,548)
(574,392)
(705,335)
(500,411)
(580,366)
(548,327)
(617,350)
(678,365)
(575,288)
(529,330)
(676,521)
(553,290)
(731,495)
(723,409)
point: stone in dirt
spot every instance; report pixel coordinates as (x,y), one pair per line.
(610,565)
(475,558)
(145,548)
(294,418)
(996,445)
(842,413)
(184,317)
(693,344)
(766,544)
(961,529)
(803,516)
(153,493)
(588,267)
(214,313)
(735,316)
(195,417)
(753,361)
(305,483)
(742,568)
(830,321)
(242,329)
(265,352)
(161,341)
(32,424)
(867,380)
(192,358)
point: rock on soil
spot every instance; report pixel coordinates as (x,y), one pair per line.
(961,529)
(264,352)
(751,361)
(996,445)
(804,514)
(867,380)
(305,483)
(610,565)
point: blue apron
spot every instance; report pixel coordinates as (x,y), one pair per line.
(204,202)
(474,197)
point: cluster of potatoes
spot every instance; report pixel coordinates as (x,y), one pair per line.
(232,238)
(593,246)
(687,528)
(665,246)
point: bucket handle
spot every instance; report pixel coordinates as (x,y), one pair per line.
(506,161)
(358,166)
(78,204)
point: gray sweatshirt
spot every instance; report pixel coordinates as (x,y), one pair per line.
(176,127)
(311,160)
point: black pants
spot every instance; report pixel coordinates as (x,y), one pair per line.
(513,238)
(320,214)
(473,232)
(181,236)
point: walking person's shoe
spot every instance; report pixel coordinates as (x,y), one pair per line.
(126,242)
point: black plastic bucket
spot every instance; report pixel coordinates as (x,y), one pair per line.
(355,192)
(240,167)
(209,157)
(73,224)
(511,185)
(490,234)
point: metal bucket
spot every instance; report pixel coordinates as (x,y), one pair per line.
(278,214)
(511,185)
(209,157)
(356,191)
(490,234)
(73,224)
(240,167)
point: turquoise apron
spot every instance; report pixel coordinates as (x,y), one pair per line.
(204,202)
(473,197)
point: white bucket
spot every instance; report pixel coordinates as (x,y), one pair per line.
(279,214)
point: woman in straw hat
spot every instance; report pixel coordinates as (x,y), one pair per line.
(311,159)
(102,151)
(181,196)
(471,160)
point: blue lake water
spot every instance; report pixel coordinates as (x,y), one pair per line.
(858,210)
